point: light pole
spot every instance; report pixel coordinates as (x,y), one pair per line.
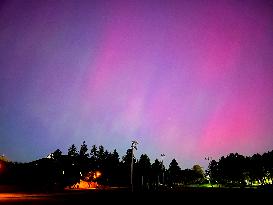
(208,159)
(207,171)
(133,146)
(162,156)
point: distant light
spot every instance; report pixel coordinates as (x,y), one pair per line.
(50,156)
(63,171)
(98,174)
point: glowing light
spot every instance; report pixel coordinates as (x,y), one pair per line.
(84,185)
(98,174)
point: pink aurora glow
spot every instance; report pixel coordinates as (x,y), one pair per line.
(188,79)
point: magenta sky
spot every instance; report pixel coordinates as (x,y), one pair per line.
(190,79)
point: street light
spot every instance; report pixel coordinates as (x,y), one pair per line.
(162,156)
(208,159)
(133,146)
(207,170)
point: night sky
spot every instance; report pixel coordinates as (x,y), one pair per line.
(189,79)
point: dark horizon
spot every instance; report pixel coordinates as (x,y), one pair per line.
(103,170)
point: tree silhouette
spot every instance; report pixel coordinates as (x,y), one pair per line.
(127,158)
(72,151)
(57,154)
(213,172)
(232,169)
(257,169)
(94,157)
(188,176)
(143,170)
(156,171)
(174,172)
(198,173)
(101,157)
(268,164)
(112,168)
(126,166)
(84,150)
(83,160)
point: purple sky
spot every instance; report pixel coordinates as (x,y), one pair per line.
(190,79)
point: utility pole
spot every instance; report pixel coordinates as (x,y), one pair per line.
(133,146)
(207,170)
(208,159)
(162,156)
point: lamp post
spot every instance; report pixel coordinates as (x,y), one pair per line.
(208,159)
(133,146)
(162,156)
(207,171)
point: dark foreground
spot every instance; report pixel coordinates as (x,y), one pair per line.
(125,196)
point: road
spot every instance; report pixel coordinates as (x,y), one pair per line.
(75,197)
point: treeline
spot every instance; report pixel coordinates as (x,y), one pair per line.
(58,170)
(236,169)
